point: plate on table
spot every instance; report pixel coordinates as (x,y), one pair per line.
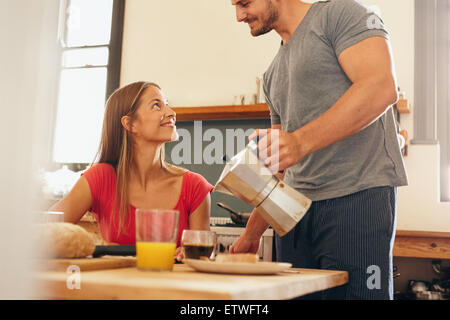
(238,267)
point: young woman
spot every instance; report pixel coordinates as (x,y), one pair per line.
(131,172)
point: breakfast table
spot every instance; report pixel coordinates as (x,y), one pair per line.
(119,279)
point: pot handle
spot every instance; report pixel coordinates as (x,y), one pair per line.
(224,206)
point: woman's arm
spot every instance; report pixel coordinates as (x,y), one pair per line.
(199,219)
(76,203)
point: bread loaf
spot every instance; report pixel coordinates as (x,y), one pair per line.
(64,240)
(237,257)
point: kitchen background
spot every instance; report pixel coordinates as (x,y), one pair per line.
(200,56)
(225,61)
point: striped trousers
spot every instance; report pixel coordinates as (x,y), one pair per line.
(354,233)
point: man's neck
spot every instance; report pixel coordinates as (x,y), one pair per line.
(291,14)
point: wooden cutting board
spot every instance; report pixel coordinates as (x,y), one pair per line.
(87,264)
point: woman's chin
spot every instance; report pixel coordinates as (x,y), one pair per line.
(174,136)
(169,135)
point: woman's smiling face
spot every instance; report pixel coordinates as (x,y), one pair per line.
(154,120)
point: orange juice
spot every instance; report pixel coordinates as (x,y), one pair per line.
(155,255)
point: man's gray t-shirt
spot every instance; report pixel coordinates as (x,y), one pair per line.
(305,80)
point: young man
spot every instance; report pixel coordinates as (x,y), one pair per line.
(329,90)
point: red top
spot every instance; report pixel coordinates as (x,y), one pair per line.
(102,182)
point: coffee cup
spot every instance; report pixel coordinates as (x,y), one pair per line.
(198,243)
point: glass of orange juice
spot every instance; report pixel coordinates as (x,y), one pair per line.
(156,238)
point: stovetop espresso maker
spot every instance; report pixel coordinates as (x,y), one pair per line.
(246,177)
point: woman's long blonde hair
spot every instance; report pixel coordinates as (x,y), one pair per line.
(116,145)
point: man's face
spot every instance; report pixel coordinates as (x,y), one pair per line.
(259,14)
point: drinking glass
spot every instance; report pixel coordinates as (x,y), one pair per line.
(198,243)
(156,238)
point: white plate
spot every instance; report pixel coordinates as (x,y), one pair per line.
(237,267)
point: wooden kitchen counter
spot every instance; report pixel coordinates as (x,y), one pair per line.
(184,283)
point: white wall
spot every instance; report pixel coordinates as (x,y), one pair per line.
(419,206)
(194,49)
(200,55)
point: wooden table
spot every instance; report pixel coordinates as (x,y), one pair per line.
(184,283)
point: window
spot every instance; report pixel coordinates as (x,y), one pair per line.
(432,81)
(90,38)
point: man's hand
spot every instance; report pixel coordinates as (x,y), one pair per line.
(279,149)
(248,242)
(245,244)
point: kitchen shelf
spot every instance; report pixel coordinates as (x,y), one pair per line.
(253,111)
(422,244)
(230,112)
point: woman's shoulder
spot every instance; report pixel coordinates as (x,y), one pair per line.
(195,189)
(195,183)
(195,177)
(102,166)
(101,178)
(100,171)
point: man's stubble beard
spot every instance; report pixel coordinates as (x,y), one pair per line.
(269,22)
